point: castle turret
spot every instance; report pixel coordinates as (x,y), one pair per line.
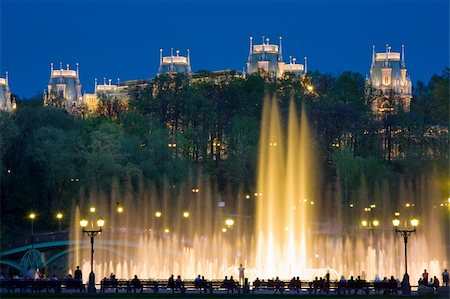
(64,89)
(6,101)
(389,87)
(268,58)
(174,64)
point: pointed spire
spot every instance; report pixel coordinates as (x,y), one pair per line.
(78,70)
(104,80)
(280,58)
(386,61)
(403,56)
(60,65)
(51,68)
(171,60)
(250,52)
(189,60)
(171,52)
(109,81)
(373,56)
(118,81)
(160,56)
(290,59)
(95,85)
(67,66)
(267,41)
(306,64)
(6,78)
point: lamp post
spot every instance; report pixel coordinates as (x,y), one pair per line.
(32,216)
(406,232)
(92,232)
(59,216)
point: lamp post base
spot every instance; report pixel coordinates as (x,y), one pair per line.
(406,287)
(91,284)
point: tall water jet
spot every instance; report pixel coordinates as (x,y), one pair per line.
(285,202)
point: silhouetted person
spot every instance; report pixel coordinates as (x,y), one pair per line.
(445,278)
(256,284)
(171,283)
(179,283)
(232,284)
(78,275)
(425,277)
(136,283)
(435,283)
(241,270)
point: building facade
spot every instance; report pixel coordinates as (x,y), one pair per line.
(6,101)
(107,91)
(389,88)
(64,89)
(174,64)
(267,59)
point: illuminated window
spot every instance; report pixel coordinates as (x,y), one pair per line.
(386,80)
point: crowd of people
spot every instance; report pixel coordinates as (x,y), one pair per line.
(230,284)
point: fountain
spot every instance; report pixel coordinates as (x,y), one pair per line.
(291,226)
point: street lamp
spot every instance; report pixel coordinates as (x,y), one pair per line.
(406,232)
(59,216)
(229,222)
(32,216)
(92,232)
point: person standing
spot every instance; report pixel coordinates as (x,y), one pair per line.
(445,278)
(78,275)
(425,277)
(241,275)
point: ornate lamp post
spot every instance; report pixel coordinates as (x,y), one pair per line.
(406,232)
(92,232)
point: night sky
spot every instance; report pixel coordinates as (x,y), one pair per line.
(122,38)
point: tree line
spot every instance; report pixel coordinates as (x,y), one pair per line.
(173,126)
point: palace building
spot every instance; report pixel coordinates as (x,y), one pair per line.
(6,101)
(389,88)
(174,64)
(64,89)
(267,58)
(108,90)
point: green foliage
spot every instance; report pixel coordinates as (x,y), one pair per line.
(212,126)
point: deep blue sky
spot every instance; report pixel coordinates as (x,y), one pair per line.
(122,38)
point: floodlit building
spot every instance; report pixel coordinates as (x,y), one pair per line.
(389,88)
(174,64)
(267,58)
(6,101)
(64,89)
(108,90)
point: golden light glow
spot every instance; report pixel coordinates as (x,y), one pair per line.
(186,214)
(100,222)
(120,209)
(224,230)
(195,190)
(310,88)
(414,222)
(375,222)
(247,196)
(166,230)
(229,222)
(364,223)
(32,216)
(84,223)
(59,215)
(408,205)
(397,214)
(158,214)
(448,200)
(372,206)
(312,202)
(92,209)
(351,205)
(396,222)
